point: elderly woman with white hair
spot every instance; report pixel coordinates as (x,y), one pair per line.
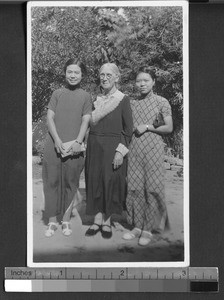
(106,158)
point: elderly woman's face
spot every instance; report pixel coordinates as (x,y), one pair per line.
(144,83)
(108,78)
(73,74)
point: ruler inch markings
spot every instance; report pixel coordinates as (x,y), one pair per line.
(190,273)
(100,279)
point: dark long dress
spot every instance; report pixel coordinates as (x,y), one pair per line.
(106,187)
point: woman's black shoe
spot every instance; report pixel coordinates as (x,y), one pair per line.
(106,234)
(92,232)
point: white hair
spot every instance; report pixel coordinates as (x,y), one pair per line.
(113,67)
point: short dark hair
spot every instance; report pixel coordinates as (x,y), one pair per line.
(75,61)
(147,69)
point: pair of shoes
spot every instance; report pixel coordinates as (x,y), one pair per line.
(105,233)
(91,231)
(136,232)
(145,238)
(52,227)
(66,228)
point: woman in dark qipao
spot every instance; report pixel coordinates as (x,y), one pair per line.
(68,117)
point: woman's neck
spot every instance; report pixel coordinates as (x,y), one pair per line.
(72,87)
(143,96)
(110,92)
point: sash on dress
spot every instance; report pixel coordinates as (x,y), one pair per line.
(105,105)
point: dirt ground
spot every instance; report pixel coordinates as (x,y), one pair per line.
(168,247)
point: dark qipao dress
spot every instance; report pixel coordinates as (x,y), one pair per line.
(111,129)
(61,175)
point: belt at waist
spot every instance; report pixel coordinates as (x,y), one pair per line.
(105,134)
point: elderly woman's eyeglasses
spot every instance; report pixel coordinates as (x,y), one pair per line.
(108,76)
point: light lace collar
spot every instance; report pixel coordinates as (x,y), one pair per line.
(105,104)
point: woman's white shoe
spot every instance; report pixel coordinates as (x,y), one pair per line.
(66,228)
(136,232)
(145,238)
(52,227)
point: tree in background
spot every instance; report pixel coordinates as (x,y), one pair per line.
(128,36)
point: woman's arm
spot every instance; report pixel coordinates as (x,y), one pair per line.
(53,131)
(126,135)
(164,129)
(83,128)
(76,146)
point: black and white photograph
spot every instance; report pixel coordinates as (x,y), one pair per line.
(107,134)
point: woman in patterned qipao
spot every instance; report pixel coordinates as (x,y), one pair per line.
(145,201)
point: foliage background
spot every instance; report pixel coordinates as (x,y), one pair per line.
(128,36)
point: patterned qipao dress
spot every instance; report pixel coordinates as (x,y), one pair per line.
(145,201)
(105,186)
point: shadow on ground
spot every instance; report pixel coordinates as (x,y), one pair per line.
(168,247)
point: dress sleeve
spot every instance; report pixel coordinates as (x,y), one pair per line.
(166,108)
(53,101)
(87,108)
(127,123)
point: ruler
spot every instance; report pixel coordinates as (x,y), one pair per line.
(111,279)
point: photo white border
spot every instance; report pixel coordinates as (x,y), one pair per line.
(185,6)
